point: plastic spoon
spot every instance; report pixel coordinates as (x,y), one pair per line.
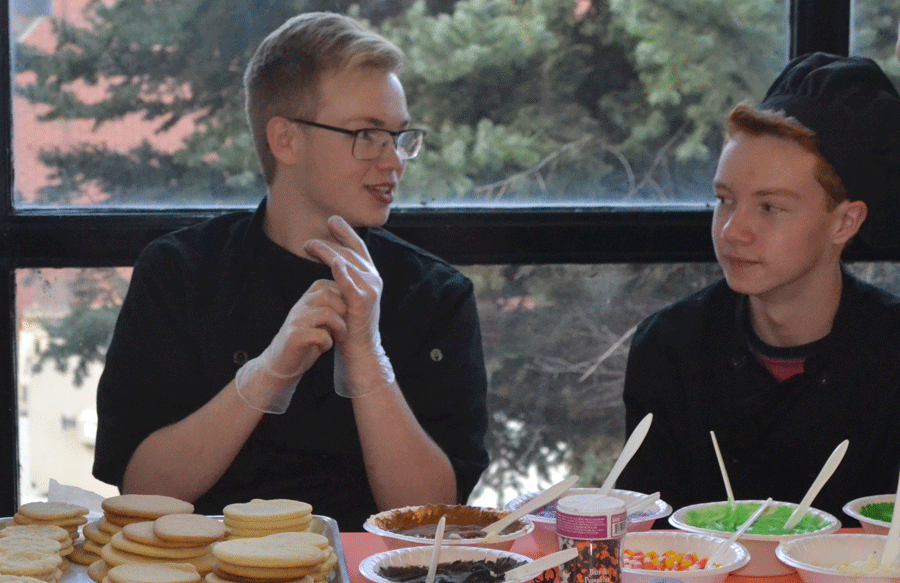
(722,469)
(831,464)
(631,446)
(710,562)
(536,567)
(641,504)
(436,551)
(545,497)
(892,544)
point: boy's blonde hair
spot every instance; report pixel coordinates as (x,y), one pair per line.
(285,72)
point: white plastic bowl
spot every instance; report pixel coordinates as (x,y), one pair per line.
(815,557)
(735,557)
(395,540)
(371,566)
(544,518)
(869,525)
(763,562)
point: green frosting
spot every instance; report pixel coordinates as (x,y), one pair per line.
(725,519)
(878,511)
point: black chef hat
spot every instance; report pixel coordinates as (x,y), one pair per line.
(854,110)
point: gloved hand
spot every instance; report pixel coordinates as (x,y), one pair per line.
(360,286)
(268,382)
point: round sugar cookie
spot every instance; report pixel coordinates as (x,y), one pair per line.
(326,566)
(97,570)
(67,523)
(174,554)
(92,547)
(145,506)
(250,522)
(107,526)
(92,532)
(263,510)
(67,549)
(230,571)
(268,551)
(189,528)
(264,528)
(32,563)
(153,573)
(28,543)
(114,557)
(47,511)
(54,577)
(18,579)
(212,577)
(302,538)
(142,532)
(120,521)
(236,532)
(79,556)
(46,530)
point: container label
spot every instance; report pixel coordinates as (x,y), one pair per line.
(591,527)
(598,561)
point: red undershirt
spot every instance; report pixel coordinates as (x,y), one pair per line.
(781,369)
(781,362)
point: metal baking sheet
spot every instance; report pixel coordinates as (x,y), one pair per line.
(320,524)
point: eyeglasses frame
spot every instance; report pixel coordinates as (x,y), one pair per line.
(395,135)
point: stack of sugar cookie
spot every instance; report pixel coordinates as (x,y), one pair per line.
(288,557)
(259,518)
(96,534)
(171,538)
(40,534)
(152,573)
(63,514)
(18,579)
(119,511)
(39,564)
(127,508)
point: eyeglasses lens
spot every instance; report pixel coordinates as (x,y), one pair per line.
(370,143)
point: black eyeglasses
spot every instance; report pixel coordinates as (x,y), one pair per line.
(369,143)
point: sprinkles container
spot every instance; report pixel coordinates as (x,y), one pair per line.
(595,525)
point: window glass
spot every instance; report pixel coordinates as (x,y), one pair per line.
(64,321)
(556,339)
(527,102)
(875,29)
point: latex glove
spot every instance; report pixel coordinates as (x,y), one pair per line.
(360,286)
(268,382)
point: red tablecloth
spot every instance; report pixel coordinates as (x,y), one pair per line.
(359,545)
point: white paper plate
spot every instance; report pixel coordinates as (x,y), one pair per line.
(869,525)
(545,517)
(396,540)
(735,557)
(763,562)
(421,557)
(815,556)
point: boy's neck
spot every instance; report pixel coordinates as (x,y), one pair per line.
(290,225)
(799,319)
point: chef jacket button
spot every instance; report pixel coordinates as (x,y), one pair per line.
(240,357)
(437,355)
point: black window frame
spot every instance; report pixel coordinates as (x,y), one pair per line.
(105,238)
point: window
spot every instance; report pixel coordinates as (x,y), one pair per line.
(566,167)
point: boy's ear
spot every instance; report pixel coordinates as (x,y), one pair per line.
(849,216)
(281,134)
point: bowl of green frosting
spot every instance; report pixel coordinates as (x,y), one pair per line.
(874,513)
(722,519)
